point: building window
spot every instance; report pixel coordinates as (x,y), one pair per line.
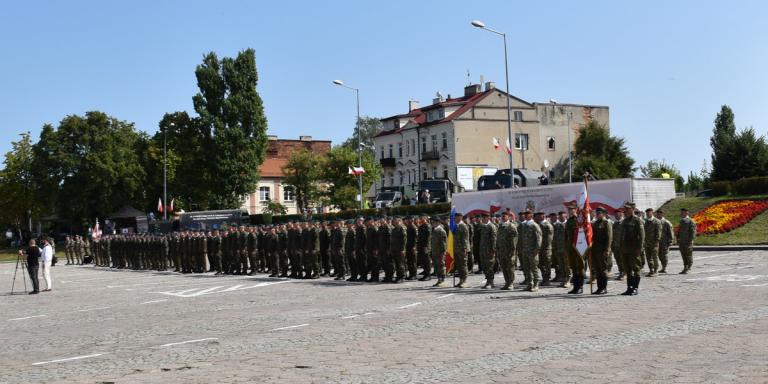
(445,140)
(434,172)
(409,177)
(518,115)
(402,177)
(441,114)
(430,116)
(382,152)
(434,142)
(264,194)
(391,179)
(289,194)
(407,148)
(521,141)
(390,151)
(413,146)
(550,143)
(399,149)
(424,173)
(445,171)
(424,144)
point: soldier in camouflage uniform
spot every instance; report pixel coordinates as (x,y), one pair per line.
(272,245)
(602,239)
(461,249)
(412,232)
(666,240)
(361,238)
(632,242)
(422,248)
(311,250)
(385,257)
(652,237)
(282,250)
(616,246)
(685,240)
(293,249)
(438,247)
(338,241)
(350,253)
(545,252)
(506,248)
(214,252)
(397,244)
(325,244)
(476,224)
(531,241)
(487,248)
(371,249)
(78,250)
(576,261)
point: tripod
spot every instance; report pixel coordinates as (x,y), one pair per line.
(23,262)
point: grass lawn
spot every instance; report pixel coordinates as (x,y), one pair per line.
(754,232)
(6,255)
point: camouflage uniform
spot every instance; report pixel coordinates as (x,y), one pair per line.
(385,258)
(397,243)
(422,248)
(602,239)
(666,240)
(487,248)
(461,251)
(506,251)
(632,241)
(410,250)
(558,251)
(438,246)
(545,253)
(337,242)
(685,240)
(531,240)
(350,253)
(616,248)
(361,253)
(371,251)
(651,247)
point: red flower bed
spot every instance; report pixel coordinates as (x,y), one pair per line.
(725,216)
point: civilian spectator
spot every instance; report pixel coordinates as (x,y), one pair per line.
(46,260)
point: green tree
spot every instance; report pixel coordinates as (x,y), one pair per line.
(600,154)
(90,166)
(660,168)
(275,208)
(723,135)
(303,172)
(17,185)
(694,183)
(343,188)
(369,128)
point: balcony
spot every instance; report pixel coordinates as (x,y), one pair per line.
(430,155)
(388,162)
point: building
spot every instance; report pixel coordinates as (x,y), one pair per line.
(452,137)
(271,187)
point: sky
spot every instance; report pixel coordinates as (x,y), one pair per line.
(663,67)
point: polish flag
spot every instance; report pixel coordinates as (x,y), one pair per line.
(160,204)
(170,208)
(356,171)
(496,144)
(509,147)
(584,237)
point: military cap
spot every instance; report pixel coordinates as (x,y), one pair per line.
(477,216)
(486,214)
(629,205)
(560,212)
(434,218)
(507,213)
(684,209)
(600,210)
(458,214)
(649,210)
(539,213)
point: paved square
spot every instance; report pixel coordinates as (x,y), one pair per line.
(107,326)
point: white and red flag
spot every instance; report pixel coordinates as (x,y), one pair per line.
(160,204)
(509,147)
(496,144)
(356,170)
(584,238)
(170,207)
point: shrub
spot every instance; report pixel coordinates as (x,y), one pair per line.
(751,186)
(721,188)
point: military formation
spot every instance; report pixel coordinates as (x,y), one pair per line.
(361,250)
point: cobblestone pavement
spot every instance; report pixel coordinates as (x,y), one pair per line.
(107,326)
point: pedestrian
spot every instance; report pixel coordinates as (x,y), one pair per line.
(45,262)
(685,240)
(33,264)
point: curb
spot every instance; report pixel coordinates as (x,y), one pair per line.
(757,247)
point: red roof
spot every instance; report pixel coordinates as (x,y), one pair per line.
(279,151)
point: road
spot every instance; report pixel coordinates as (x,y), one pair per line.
(107,326)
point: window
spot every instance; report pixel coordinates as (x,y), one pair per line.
(423,144)
(430,115)
(390,150)
(413,146)
(434,172)
(521,141)
(382,152)
(445,140)
(407,147)
(518,115)
(409,178)
(440,114)
(402,177)
(391,179)
(288,193)
(424,173)
(434,142)
(445,171)
(399,149)
(550,143)
(264,194)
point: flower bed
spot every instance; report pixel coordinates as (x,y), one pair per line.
(727,215)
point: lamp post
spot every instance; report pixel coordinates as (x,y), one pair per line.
(359,139)
(481,25)
(165,172)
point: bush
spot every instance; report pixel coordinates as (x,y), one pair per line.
(751,186)
(405,210)
(721,188)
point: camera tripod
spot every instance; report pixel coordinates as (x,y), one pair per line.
(19,260)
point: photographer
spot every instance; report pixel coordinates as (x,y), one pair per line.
(33,256)
(47,260)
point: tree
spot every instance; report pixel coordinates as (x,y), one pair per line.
(302,171)
(721,142)
(343,188)
(660,168)
(600,154)
(232,126)
(750,155)
(275,208)
(369,128)
(90,166)
(17,185)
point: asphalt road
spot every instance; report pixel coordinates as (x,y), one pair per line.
(106,326)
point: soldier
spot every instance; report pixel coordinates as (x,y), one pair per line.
(338,241)
(616,246)
(666,240)
(602,239)
(685,240)
(632,241)
(311,250)
(272,245)
(252,249)
(371,249)
(652,237)
(203,253)
(545,253)
(487,249)
(325,244)
(470,255)
(558,237)
(410,248)
(575,259)
(438,246)
(282,250)
(385,257)
(529,250)
(397,245)
(461,249)
(293,249)
(214,252)
(350,253)
(506,248)
(422,248)
(476,226)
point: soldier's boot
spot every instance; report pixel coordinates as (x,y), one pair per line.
(461,283)
(545,283)
(685,270)
(602,284)
(534,287)
(440,280)
(374,277)
(506,286)
(635,285)
(526,281)
(628,292)
(621,276)
(427,276)
(488,283)
(387,279)
(577,286)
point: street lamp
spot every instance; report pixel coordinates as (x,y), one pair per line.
(359,139)
(570,151)
(165,172)
(481,25)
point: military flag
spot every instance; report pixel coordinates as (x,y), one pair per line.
(449,249)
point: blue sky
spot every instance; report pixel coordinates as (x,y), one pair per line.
(664,68)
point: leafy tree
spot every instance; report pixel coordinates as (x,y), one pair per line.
(303,171)
(17,185)
(660,168)
(694,183)
(723,135)
(275,208)
(369,128)
(600,154)
(343,187)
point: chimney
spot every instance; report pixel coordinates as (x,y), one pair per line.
(438,98)
(305,138)
(413,104)
(490,85)
(471,90)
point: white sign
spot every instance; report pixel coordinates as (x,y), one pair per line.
(467,176)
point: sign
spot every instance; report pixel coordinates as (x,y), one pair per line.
(467,176)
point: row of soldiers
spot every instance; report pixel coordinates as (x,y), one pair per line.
(399,246)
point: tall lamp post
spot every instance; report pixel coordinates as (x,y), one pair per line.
(165,171)
(481,25)
(359,139)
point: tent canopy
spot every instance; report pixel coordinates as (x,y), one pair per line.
(127,212)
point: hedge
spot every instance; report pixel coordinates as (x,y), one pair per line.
(428,209)
(748,186)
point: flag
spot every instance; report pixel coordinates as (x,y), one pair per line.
(160,204)
(495,143)
(449,249)
(170,208)
(350,172)
(509,147)
(584,238)
(96,233)
(356,170)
